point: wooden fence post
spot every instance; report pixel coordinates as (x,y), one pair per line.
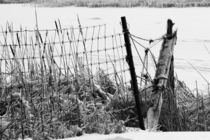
(163,76)
(170,110)
(129,59)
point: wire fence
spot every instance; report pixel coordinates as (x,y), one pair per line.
(89,45)
(45,76)
(145,59)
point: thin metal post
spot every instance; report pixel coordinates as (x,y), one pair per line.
(129,59)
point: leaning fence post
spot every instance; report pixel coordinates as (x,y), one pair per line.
(129,59)
(164,98)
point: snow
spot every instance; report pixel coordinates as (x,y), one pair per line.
(144,135)
(138,134)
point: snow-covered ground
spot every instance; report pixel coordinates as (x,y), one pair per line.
(147,136)
(192,23)
(144,135)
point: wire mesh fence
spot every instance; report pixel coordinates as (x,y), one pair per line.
(56,79)
(89,46)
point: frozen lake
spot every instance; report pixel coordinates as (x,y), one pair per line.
(192,23)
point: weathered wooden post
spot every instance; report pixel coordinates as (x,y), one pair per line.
(163,76)
(129,59)
(170,110)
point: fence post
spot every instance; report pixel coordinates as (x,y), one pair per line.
(164,83)
(129,59)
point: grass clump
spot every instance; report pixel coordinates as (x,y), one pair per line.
(61,112)
(193,108)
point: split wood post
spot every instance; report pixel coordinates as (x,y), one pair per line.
(162,76)
(169,107)
(129,59)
